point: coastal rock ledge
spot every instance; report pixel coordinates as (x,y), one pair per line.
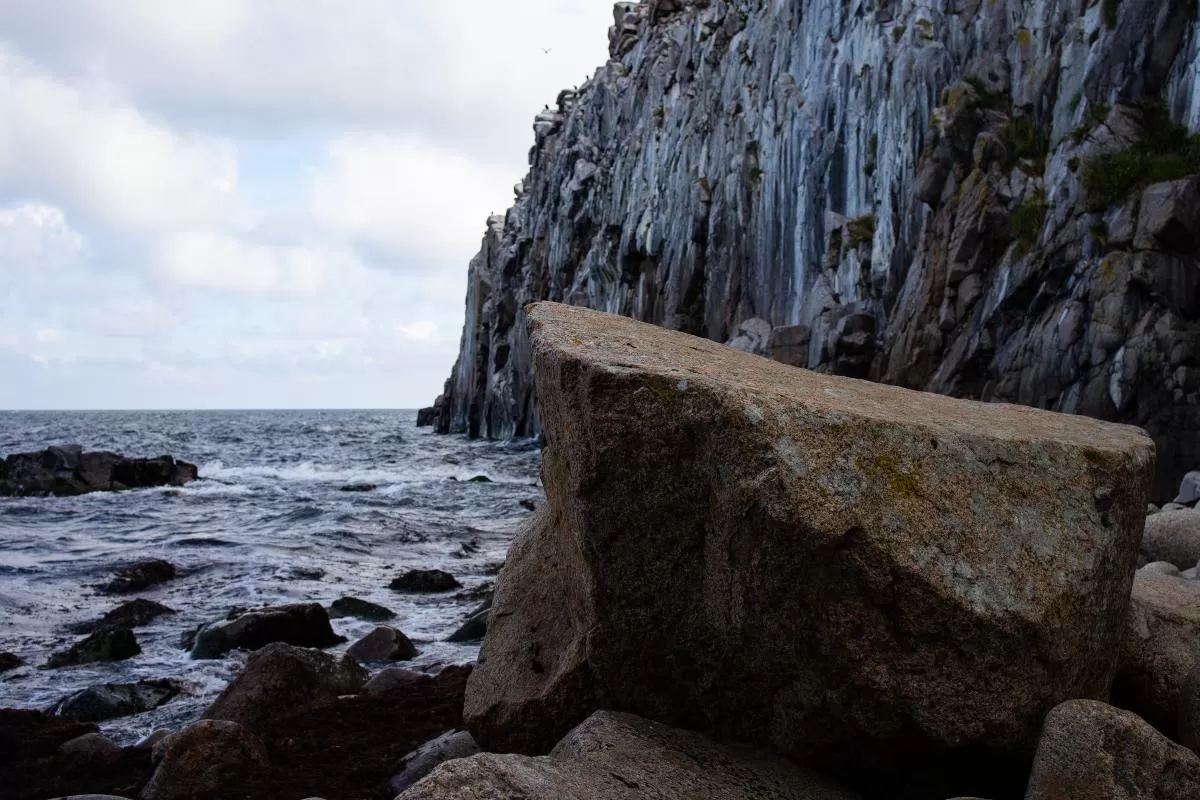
(67,470)
(890,586)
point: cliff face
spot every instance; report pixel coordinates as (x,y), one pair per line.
(984,198)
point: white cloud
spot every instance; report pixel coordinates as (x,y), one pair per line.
(36,236)
(89,151)
(407,195)
(417,331)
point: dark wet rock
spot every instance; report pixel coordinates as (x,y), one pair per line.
(154,737)
(140,575)
(111,700)
(92,797)
(422,761)
(383,644)
(307,573)
(280,678)
(115,644)
(1173,536)
(528,505)
(702,502)
(425,580)
(360,487)
(90,749)
(1092,751)
(132,614)
(9,661)
(426,416)
(1159,647)
(614,756)
(206,758)
(67,470)
(391,679)
(475,626)
(28,735)
(362,609)
(479,479)
(299,624)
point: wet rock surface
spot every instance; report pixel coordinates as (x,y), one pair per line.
(362,609)
(140,575)
(108,644)
(109,700)
(423,760)
(722,502)
(133,614)
(299,624)
(425,580)
(383,644)
(67,470)
(207,758)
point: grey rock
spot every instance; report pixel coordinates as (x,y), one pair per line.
(475,626)
(1170,216)
(1091,751)
(1190,574)
(1173,536)
(299,624)
(90,749)
(383,644)
(425,581)
(1173,507)
(108,644)
(614,756)
(362,609)
(752,336)
(848,119)
(205,758)
(133,614)
(420,762)
(703,503)
(111,700)
(281,678)
(392,678)
(154,737)
(1189,489)
(68,470)
(1161,568)
(140,575)
(1160,645)
(426,416)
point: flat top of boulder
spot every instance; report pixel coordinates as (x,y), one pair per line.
(619,344)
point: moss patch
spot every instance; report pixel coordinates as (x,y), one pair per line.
(1026,222)
(1169,152)
(860,230)
(1025,141)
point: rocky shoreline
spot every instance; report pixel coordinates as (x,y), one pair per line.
(747,580)
(68,470)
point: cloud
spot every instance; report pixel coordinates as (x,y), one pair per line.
(406,195)
(35,236)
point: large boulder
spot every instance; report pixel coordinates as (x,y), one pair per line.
(1092,751)
(66,470)
(280,678)
(1173,536)
(299,624)
(623,757)
(420,762)
(1160,645)
(110,700)
(212,757)
(106,644)
(873,580)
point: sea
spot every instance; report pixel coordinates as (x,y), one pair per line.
(270,521)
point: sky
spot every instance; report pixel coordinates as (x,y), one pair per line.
(259,203)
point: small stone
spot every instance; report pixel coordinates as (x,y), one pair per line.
(103,645)
(425,580)
(479,479)
(420,762)
(9,661)
(360,487)
(383,644)
(362,609)
(1173,536)
(140,575)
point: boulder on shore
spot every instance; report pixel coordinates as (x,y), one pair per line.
(383,644)
(362,609)
(474,627)
(111,700)
(621,757)
(1092,751)
(132,614)
(1173,536)
(107,644)
(207,758)
(299,624)
(279,679)
(66,470)
(1160,645)
(875,581)
(424,581)
(423,760)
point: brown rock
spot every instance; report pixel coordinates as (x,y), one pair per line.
(106,644)
(140,575)
(622,757)
(383,644)
(281,678)
(208,757)
(870,579)
(1092,751)
(1160,645)
(1173,536)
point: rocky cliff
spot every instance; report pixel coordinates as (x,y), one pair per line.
(992,199)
